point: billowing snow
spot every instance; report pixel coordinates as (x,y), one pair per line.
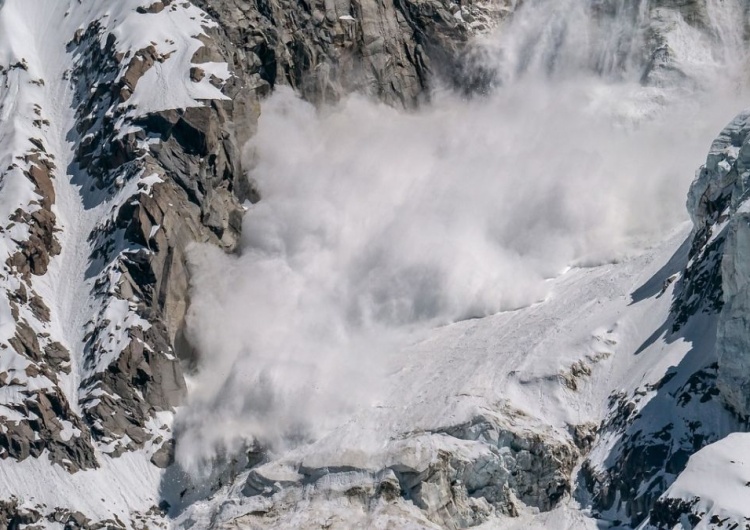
(497,365)
(515,364)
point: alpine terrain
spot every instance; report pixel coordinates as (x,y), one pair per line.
(376,264)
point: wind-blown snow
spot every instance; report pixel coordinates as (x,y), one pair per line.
(376,225)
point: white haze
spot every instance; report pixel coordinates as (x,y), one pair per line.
(377,223)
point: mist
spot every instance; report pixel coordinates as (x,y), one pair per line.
(377,224)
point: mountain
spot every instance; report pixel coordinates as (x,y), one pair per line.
(373,264)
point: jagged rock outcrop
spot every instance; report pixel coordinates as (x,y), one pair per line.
(92,306)
(393,51)
(171,177)
(36,418)
(718,206)
(658,427)
(157,172)
(648,437)
(153,178)
(670,61)
(195,184)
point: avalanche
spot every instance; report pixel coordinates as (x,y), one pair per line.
(488,311)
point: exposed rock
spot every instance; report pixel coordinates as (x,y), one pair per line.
(718,272)
(392,51)
(12,516)
(668,513)
(57,356)
(156,7)
(196,198)
(164,456)
(581,369)
(656,429)
(174,177)
(44,430)
(197,74)
(129,370)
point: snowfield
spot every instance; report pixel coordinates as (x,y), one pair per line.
(715,484)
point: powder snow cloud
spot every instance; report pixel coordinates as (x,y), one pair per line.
(376,223)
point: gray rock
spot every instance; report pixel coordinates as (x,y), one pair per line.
(164,456)
(391,51)
(199,200)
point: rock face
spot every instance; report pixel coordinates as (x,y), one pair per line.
(195,180)
(94,365)
(650,434)
(719,208)
(670,59)
(92,307)
(194,185)
(393,51)
(193,193)
(704,398)
(37,416)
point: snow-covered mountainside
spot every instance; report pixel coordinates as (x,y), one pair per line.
(374,264)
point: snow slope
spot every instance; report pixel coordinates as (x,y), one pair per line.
(543,369)
(713,490)
(595,396)
(39,114)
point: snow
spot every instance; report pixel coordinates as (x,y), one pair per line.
(36,35)
(146,183)
(122,320)
(563,518)
(517,357)
(511,365)
(174,33)
(23,101)
(505,366)
(718,477)
(120,486)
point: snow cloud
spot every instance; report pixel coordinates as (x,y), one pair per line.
(377,223)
